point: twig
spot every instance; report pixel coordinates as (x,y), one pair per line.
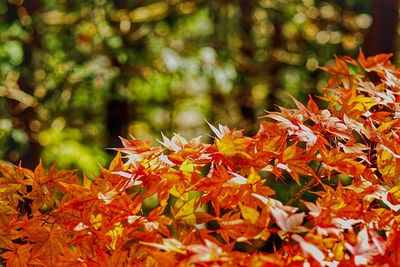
(304,189)
(308,185)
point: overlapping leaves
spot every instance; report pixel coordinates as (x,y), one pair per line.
(189,203)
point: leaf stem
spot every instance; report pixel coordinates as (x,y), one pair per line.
(308,185)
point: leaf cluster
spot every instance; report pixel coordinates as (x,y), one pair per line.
(191,203)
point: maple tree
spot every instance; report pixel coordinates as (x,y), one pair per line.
(189,203)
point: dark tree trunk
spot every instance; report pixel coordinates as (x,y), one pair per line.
(31,157)
(11,14)
(382,35)
(219,42)
(117,121)
(23,117)
(246,70)
(274,65)
(119,112)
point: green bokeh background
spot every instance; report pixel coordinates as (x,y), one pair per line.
(75,75)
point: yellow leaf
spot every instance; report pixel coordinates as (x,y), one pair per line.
(339,251)
(290,152)
(187,167)
(234,146)
(115,233)
(86,182)
(263,235)
(349,166)
(253,177)
(273,145)
(96,220)
(395,192)
(394,195)
(249,213)
(150,164)
(185,210)
(388,167)
(364,103)
(385,126)
(116,162)
(173,191)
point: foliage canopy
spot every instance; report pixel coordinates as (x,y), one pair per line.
(189,203)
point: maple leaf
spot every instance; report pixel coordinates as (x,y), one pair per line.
(296,129)
(234,144)
(207,200)
(388,166)
(374,63)
(168,244)
(364,250)
(73,257)
(285,216)
(384,197)
(185,210)
(270,139)
(221,131)
(137,150)
(203,217)
(47,241)
(249,213)
(294,161)
(11,189)
(340,71)
(208,252)
(393,247)
(310,249)
(44,186)
(315,209)
(8,233)
(133,179)
(115,233)
(288,223)
(390,79)
(342,162)
(176,143)
(19,256)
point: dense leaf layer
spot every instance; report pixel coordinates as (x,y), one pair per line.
(190,203)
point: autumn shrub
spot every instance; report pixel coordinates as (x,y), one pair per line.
(190,203)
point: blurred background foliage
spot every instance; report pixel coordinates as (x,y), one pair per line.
(75,75)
